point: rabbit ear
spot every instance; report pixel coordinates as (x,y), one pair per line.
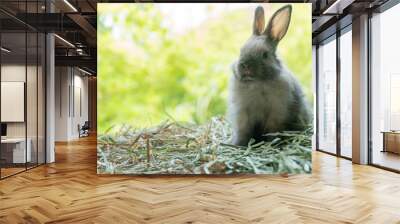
(279,23)
(259,21)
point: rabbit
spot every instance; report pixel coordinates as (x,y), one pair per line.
(264,97)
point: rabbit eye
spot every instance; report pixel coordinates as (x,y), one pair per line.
(265,55)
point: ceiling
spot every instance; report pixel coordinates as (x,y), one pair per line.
(332,15)
(73,21)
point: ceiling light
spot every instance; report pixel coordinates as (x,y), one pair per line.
(84,71)
(5,50)
(79,51)
(64,40)
(70,5)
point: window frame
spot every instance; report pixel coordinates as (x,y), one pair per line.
(333,37)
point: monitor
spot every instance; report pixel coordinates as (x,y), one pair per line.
(3,129)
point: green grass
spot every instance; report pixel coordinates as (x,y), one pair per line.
(145,70)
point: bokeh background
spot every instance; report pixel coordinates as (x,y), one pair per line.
(172,61)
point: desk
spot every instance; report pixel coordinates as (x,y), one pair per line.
(17,150)
(391,141)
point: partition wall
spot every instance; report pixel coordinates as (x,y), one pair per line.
(22,91)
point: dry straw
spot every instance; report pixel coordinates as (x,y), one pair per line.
(180,148)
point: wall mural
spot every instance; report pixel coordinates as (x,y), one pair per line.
(204,88)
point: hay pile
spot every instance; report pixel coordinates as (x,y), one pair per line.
(177,148)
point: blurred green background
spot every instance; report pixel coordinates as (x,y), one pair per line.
(157,61)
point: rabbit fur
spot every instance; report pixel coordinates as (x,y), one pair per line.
(264,96)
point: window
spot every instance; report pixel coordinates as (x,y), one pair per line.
(327,96)
(346,94)
(385,89)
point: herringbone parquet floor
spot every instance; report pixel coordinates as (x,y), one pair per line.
(69,191)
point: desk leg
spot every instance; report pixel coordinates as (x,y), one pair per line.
(384,143)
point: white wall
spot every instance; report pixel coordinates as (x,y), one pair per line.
(71,94)
(80,109)
(62,81)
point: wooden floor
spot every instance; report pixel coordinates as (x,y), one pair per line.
(10,171)
(386,159)
(69,191)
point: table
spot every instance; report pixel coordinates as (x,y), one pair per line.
(391,141)
(13,150)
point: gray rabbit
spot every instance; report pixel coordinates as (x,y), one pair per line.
(264,97)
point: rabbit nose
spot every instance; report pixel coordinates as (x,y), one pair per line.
(245,68)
